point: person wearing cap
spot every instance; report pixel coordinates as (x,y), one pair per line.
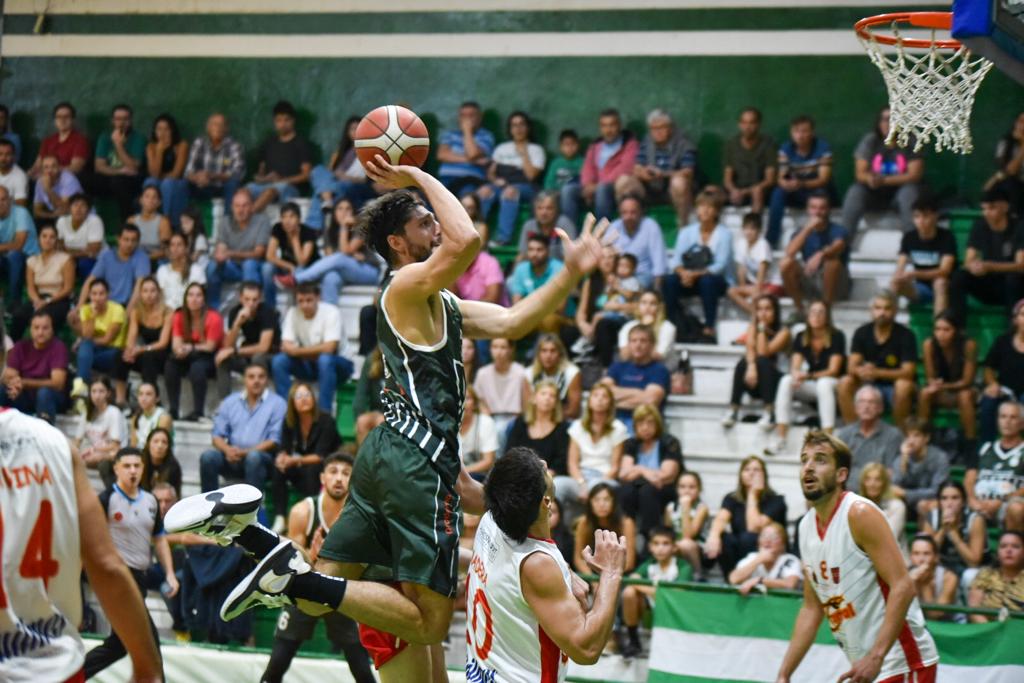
(993,270)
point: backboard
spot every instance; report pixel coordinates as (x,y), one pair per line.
(993,29)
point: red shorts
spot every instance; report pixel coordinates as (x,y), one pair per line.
(926,675)
(380,645)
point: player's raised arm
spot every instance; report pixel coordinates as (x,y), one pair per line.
(481,320)
(459,243)
(808,619)
(113,583)
(580,634)
(871,532)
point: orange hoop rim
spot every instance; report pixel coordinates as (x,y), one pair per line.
(933,20)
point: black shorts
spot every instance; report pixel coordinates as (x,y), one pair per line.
(295,625)
(402,514)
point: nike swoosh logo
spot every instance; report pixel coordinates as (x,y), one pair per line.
(272,582)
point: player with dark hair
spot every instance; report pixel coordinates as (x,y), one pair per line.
(53,527)
(402,517)
(525,607)
(855,576)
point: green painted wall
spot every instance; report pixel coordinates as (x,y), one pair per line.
(704,93)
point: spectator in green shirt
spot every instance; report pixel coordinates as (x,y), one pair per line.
(120,155)
(662,565)
(563,174)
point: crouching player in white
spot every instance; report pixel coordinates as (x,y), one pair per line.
(527,612)
(855,577)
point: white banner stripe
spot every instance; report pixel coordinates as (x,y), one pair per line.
(684,653)
(411,45)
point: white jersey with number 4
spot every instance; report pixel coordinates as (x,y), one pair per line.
(853,595)
(40,599)
(504,640)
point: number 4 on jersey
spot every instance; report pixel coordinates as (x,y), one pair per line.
(37,562)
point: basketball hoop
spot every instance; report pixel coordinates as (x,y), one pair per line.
(931,82)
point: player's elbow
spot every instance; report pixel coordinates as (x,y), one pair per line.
(585,653)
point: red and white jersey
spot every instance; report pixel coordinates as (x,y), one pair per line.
(40,598)
(853,595)
(505,642)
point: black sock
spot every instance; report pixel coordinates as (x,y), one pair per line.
(258,540)
(318,588)
(634,634)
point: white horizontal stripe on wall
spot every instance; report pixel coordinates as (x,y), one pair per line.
(376,6)
(405,46)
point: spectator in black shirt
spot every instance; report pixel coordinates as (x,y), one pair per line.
(542,429)
(931,251)
(253,333)
(1004,374)
(292,246)
(950,366)
(1010,163)
(307,437)
(993,270)
(745,511)
(883,353)
(815,367)
(651,463)
(757,373)
(285,161)
(159,463)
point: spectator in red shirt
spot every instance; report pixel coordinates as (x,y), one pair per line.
(607,160)
(36,375)
(68,144)
(196,334)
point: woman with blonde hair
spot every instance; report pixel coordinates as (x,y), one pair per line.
(149,335)
(596,444)
(651,463)
(478,436)
(650,311)
(876,486)
(551,364)
(542,429)
(745,512)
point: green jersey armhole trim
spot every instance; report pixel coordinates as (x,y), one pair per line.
(398,335)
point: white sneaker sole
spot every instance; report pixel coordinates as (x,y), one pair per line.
(212,513)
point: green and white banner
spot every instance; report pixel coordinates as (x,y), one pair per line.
(704,636)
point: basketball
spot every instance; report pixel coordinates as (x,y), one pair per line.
(394,132)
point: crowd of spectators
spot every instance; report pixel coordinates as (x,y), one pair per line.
(587,389)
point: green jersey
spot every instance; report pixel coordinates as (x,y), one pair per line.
(425,386)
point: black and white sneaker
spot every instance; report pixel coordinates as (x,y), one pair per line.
(220,514)
(265,585)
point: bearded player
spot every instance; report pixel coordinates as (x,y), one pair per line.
(855,577)
(403,513)
(51,525)
(525,607)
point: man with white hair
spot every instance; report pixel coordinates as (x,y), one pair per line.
(869,438)
(665,166)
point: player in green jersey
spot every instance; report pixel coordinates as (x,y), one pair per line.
(408,487)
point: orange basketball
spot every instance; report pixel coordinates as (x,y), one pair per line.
(395,133)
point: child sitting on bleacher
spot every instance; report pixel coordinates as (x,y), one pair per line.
(625,288)
(753,258)
(688,517)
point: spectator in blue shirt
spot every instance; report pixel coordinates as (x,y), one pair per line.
(816,264)
(17,242)
(246,434)
(531,274)
(639,379)
(640,236)
(465,154)
(701,263)
(665,166)
(123,267)
(805,165)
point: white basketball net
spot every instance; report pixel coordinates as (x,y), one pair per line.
(930,94)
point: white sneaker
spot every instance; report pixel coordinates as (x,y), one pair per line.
(776,445)
(729,419)
(221,514)
(267,583)
(767,422)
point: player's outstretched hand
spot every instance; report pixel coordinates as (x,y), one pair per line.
(584,253)
(609,555)
(391,177)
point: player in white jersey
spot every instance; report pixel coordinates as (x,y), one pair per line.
(51,524)
(526,611)
(855,576)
